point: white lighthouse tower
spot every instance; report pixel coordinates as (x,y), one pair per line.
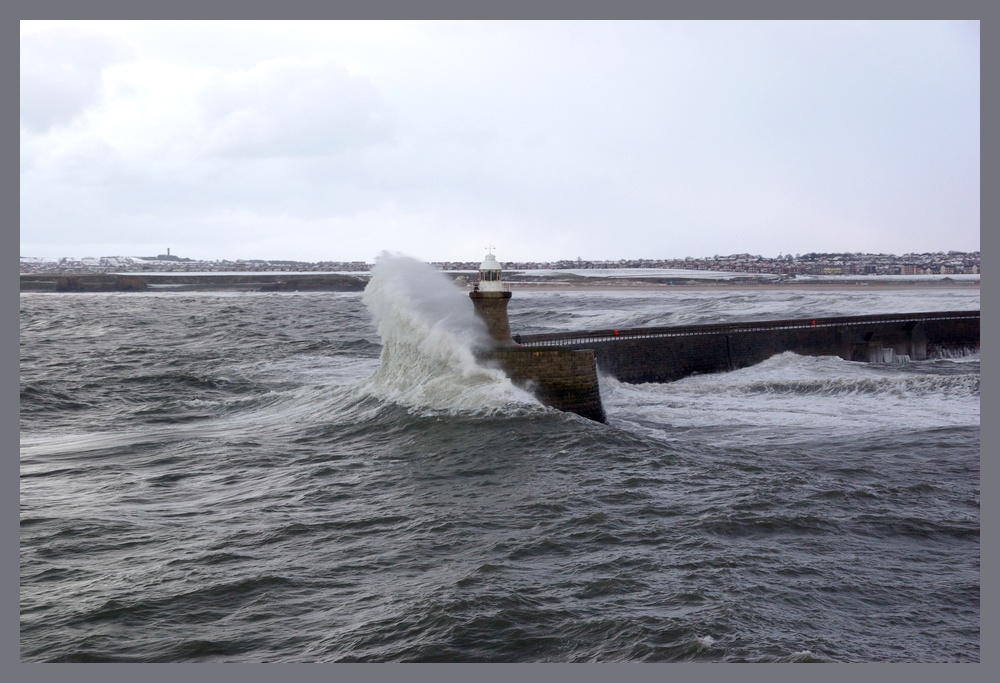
(490,296)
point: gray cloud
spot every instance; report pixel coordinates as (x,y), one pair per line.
(61,74)
(603,140)
(282,109)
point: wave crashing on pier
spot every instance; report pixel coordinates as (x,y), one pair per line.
(429,332)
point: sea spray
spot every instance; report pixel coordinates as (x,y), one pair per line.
(429,332)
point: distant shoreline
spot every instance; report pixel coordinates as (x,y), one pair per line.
(342,282)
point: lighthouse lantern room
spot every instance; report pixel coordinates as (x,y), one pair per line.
(490,275)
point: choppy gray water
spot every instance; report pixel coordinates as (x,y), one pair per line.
(240,477)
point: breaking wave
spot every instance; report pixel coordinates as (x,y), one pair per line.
(790,373)
(429,332)
(795,396)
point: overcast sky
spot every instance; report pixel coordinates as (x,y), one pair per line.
(335,141)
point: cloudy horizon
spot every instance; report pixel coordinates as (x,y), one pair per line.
(335,141)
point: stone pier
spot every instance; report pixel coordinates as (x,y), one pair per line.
(565,379)
(665,354)
(560,369)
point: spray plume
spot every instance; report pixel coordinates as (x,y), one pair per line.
(429,332)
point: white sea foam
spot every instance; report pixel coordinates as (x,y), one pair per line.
(283,411)
(429,332)
(40,445)
(792,393)
(804,656)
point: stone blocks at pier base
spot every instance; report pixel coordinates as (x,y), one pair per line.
(565,379)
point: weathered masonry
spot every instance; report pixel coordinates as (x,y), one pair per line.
(559,377)
(665,354)
(561,368)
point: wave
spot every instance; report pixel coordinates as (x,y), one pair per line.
(791,373)
(957,385)
(794,397)
(959,354)
(429,335)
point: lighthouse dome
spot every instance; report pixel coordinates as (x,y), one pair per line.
(489,263)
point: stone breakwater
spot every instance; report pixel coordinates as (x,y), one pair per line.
(665,354)
(83,283)
(565,379)
(560,369)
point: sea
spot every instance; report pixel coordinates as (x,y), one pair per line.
(331,477)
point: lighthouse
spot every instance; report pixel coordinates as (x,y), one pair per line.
(490,296)
(564,378)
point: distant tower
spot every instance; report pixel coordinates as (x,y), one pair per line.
(490,296)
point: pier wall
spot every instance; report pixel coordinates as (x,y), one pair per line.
(565,379)
(950,335)
(666,354)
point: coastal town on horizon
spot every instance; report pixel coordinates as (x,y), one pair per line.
(928,263)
